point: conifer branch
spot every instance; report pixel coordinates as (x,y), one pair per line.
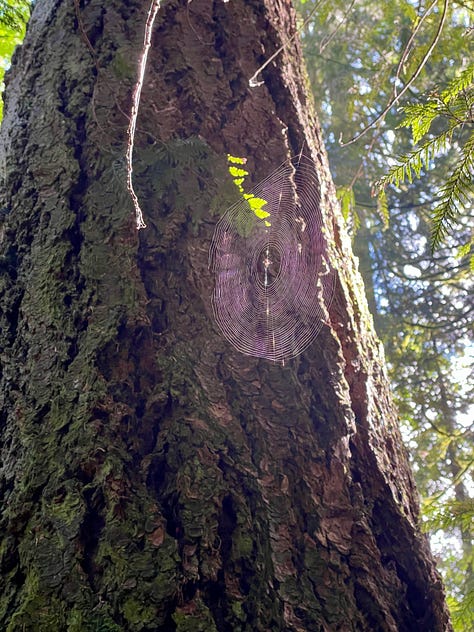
(455,195)
(409,83)
(413,162)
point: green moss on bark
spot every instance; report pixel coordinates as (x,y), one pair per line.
(151,476)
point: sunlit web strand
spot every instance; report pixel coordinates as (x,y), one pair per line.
(154,7)
(273,283)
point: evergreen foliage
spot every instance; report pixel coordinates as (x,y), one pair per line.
(421,299)
(13,19)
(455,107)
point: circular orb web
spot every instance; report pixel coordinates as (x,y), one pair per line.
(273,284)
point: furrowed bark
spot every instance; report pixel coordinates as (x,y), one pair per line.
(153,478)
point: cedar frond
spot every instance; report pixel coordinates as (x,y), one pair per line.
(413,162)
(460,83)
(419,117)
(455,195)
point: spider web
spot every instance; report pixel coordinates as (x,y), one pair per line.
(273,283)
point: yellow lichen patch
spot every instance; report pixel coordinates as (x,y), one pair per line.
(238,174)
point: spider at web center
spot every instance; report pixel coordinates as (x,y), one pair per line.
(269,265)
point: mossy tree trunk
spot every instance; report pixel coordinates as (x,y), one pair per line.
(152,478)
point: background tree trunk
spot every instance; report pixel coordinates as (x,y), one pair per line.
(153,478)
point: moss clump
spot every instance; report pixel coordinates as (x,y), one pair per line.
(243,545)
(121,66)
(137,613)
(81,622)
(238,611)
(197,620)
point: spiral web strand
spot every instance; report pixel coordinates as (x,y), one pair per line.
(273,283)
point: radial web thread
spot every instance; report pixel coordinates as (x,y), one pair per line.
(273,283)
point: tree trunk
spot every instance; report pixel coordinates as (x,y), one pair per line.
(152,477)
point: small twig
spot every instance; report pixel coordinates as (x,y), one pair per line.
(188,16)
(456,479)
(407,48)
(253,83)
(154,7)
(328,39)
(398,96)
(84,34)
(360,170)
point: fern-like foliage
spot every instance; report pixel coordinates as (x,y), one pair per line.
(450,514)
(453,106)
(462,611)
(457,194)
(459,84)
(412,163)
(419,117)
(447,516)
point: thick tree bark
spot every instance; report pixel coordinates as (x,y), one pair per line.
(152,477)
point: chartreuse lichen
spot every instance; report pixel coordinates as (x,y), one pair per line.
(255,203)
